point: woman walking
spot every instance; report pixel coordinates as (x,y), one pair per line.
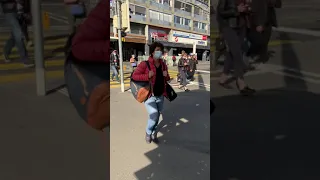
(183,67)
(158,76)
(232,19)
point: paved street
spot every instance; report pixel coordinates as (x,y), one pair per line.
(43,138)
(274,134)
(183,151)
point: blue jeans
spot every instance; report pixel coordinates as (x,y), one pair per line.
(154,106)
(16,38)
(114,72)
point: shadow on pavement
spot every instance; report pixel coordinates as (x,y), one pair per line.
(183,149)
(272,135)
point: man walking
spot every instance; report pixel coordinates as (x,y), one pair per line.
(9,8)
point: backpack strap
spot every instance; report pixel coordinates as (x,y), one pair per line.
(148,65)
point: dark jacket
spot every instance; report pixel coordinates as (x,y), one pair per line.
(114,59)
(271,13)
(227,13)
(8,6)
(193,64)
(258,15)
(92,40)
(181,65)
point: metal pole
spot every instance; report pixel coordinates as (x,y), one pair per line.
(120,44)
(38,47)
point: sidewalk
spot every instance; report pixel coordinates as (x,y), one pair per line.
(183,151)
(44,139)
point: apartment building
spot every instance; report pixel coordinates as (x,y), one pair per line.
(178,24)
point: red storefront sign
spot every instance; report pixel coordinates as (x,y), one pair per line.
(159,36)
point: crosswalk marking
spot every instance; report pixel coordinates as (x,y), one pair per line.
(115,84)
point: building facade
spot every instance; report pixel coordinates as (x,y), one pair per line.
(178,24)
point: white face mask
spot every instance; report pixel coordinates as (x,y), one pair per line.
(157,55)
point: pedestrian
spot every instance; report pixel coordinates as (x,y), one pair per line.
(193,68)
(174,59)
(233,26)
(158,77)
(24,17)
(114,65)
(76,12)
(9,8)
(133,62)
(183,69)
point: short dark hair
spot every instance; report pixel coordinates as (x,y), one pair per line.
(154,45)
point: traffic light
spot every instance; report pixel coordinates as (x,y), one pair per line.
(125,15)
(123,34)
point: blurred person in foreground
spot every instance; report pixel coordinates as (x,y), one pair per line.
(10,11)
(232,19)
(158,77)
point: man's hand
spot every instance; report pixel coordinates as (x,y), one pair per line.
(151,74)
(242,8)
(259,29)
(185,64)
(165,73)
(190,70)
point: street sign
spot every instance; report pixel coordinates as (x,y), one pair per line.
(46,20)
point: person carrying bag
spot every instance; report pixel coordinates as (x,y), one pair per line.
(87,73)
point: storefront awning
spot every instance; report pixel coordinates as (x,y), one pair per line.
(181,45)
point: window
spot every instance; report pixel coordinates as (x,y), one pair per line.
(199,25)
(154,15)
(160,16)
(165,2)
(182,6)
(167,17)
(140,10)
(181,20)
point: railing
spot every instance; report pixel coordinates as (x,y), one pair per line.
(137,1)
(182,12)
(202,5)
(157,21)
(200,30)
(160,6)
(138,18)
(200,17)
(181,26)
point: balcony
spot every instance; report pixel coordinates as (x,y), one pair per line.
(181,26)
(160,6)
(160,22)
(202,5)
(201,17)
(182,12)
(199,30)
(138,18)
(137,1)
(189,1)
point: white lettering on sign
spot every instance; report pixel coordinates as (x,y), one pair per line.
(188,35)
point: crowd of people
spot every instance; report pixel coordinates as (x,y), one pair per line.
(245,28)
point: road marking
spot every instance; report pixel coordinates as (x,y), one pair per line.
(27,76)
(16,66)
(58,19)
(58,16)
(297,77)
(298,31)
(203,71)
